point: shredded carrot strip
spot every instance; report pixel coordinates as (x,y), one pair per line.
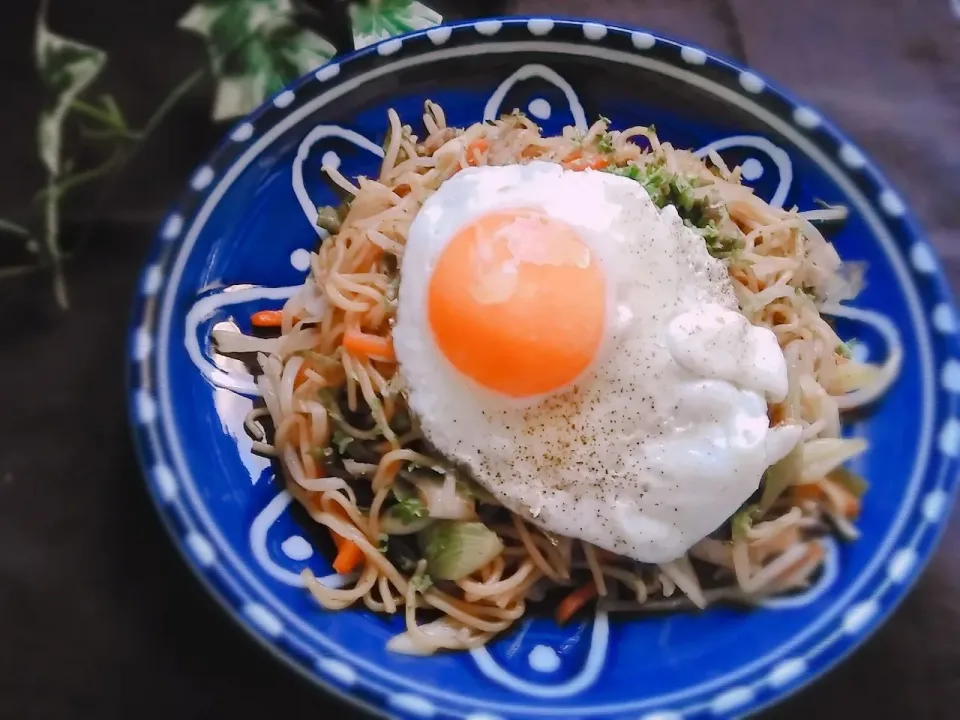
(301,377)
(575,160)
(597,163)
(267,318)
(361,344)
(334,509)
(574,601)
(849,505)
(808,491)
(349,556)
(477,146)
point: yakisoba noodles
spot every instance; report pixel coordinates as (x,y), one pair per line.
(355,458)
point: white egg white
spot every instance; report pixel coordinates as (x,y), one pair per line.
(666,434)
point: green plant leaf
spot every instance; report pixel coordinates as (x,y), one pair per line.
(255,49)
(66,67)
(376,20)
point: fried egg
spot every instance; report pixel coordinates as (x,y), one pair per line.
(582,355)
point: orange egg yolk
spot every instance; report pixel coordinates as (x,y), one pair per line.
(517,303)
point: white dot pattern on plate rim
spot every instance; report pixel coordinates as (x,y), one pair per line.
(414,704)
(327,72)
(340,671)
(692,55)
(858,616)
(172,227)
(806,117)
(264,619)
(900,565)
(891,203)
(243,131)
(922,258)
(201,548)
(786,671)
(943,319)
(166,482)
(594,31)
(731,700)
(152,279)
(751,82)
(202,178)
(389,47)
(439,35)
(933,505)
(284,99)
(950,376)
(142,344)
(949,439)
(540,26)
(146,408)
(851,157)
(488,27)
(642,40)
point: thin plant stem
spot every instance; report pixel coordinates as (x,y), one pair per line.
(13,228)
(93,112)
(169,103)
(51,232)
(86,176)
(18,270)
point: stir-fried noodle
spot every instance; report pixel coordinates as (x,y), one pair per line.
(354,459)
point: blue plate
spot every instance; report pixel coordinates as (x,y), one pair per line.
(247,217)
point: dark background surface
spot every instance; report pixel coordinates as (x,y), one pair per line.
(98,615)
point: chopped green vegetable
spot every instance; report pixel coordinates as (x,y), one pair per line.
(454,550)
(383,543)
(698,213)
(605,143)
(742,521)
(845,349)
(329,219)
(405,518)
(627,171)
(410,509)
(403,490)
(780,476)
(718,245)
(852,482)
(446,497)
(809,290)
(422,583)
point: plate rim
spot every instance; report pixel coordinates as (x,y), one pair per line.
(148,448)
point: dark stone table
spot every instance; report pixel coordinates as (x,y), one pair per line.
(98,615)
